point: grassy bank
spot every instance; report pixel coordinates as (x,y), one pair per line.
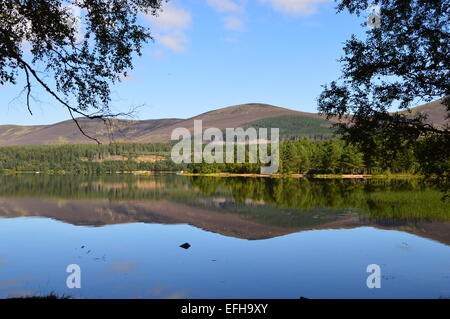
(318,176)
(221,174)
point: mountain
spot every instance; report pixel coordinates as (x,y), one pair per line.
(230,117)
(290,122)
(145,131)
(295,126)
(435,111)
(67,132)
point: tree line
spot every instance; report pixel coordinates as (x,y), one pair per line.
(336,156)
(304,156)
(84,159)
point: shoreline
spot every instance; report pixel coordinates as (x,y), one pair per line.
(225,175)
(316,176)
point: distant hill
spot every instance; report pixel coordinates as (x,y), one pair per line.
(290,122)
(297,126)
(232,117)
(436,113)
(67,133)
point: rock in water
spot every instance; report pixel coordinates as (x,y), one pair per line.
(185,246)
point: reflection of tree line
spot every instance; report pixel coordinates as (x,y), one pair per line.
(282,198)
(116,187)
(402,199)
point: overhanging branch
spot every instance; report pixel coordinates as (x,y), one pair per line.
(29,70)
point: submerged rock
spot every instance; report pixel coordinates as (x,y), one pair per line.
(185,246)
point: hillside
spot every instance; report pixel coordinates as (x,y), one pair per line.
(436,113)
(290,122)
(297,126)
(232,117)
(67,133)
(140,131)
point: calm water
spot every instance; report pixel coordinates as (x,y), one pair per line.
(251,238)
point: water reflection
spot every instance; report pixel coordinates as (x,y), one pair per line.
(250,208)
(250,237)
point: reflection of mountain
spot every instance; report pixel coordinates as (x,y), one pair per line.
(253,208)
(100,213)
(104,212)
(439,231)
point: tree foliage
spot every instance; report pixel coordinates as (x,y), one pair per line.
(85,159)
(334,156)
(404,60)
(85,45)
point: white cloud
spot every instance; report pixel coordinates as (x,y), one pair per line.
(76,21)
(233,23)
(296,7)
(225,6)
(175,41)
(230,39)
(171,17)
(171,23)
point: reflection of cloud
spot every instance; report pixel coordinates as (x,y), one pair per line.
(119,269)
(13,282)
(157,290)
(21,294)
(178,295)
(296,7)
(120,266)
(160,291)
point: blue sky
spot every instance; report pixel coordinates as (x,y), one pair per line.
(210,54)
